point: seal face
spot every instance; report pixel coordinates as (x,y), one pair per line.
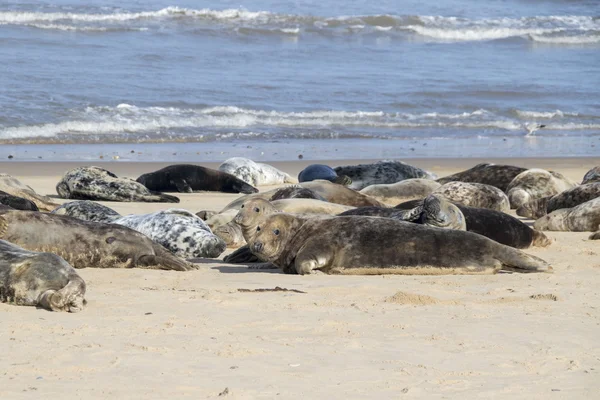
(15,187)
(95,183)
(322,172)
(87,210)
(255,173)
(437,211)
(475,195)
(179,231)
(407,189)
(187,178)
(86,244)
(488,174)
(370,245)
(534,184)
(386,171)
(582,218)
(29,278)
(593,175)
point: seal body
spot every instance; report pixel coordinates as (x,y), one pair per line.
(582,218)
(407,189)
(86,244)
(87,210)
(13,186)
(187,178)
(322,172)
(95,183)
(534,184)
(567,199)
(368,245)
(255,173)
(593,175)
(295,192)
(29,278)
(179,231)
(18,203)
(381,172)
(475,195)
(488,174)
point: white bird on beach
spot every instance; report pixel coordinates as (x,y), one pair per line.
(533,127)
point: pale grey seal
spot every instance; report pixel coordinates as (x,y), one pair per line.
(254,173)
(407,189)
(15,187)
(582,218)
(534,184)
(385,171)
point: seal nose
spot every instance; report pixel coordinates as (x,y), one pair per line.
(257,247)
(237,219)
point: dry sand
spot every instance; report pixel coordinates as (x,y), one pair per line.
(161,334)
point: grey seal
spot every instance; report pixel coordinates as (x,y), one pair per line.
(322,172)
(87,210)
(534,184)
(29,278)
(475,195)
(488,174)
(582,218)
(371,245)
(593,175)
(18,203)
(15,187)
(254,173)
(569,198)
(385,171)
(398,192)
(187,178)
(295,192)
(95,183)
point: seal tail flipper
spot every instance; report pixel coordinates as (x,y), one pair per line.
(182,185)
(70,298)
(519,261)
(164,259)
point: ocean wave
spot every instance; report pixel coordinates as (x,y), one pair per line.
(550,29)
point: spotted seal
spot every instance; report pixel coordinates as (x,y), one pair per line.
(87,210)
(581,218)
(18,203)
(593,175)
(29,278)
(254,173)
(322,172)
(86,244)
(488,174)
(407,189)
(385,171)
(187,178)
(475,195)
(295,192)
(15,187)
(370,245)
(569,198)
(95,183)
(534,184)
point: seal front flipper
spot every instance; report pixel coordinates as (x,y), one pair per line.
(311,259)
(243,255)
(182,185)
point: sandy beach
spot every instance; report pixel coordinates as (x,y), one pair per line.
(149,334)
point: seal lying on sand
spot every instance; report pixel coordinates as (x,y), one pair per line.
(18,203)
(535,184)
(86,244)
(582,218)
(593,175)
(475,195)
(255,173)
(567,199)
(407,189)
(28,278)
(87,210)
(322,172)
(295,192)
(95,183)
(386,171)
(489,174)
(15,187)
(187,178)
(369,245)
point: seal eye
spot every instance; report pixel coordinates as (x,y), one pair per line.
(258,229)
(256,209)
(111,239)
(242,206)
(276,232)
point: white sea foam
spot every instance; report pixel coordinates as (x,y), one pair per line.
(566,39)
(543,114)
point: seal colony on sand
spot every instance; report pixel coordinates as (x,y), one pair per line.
(15,187)
(408,189)
(370,245)
(567,199)
(187,178)
(386,171)
(322,172)
(582,218)
(86,244)
(534,184)
(254,173)
(498,176)
(475,195)
(29,278)
(95,183)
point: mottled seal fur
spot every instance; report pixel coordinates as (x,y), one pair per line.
(29,278)
(187,178)
(15,187)
(370,245)
(489,174)
(582,218)
(254,173)
(95,183)
(87,210)
(86,244)
(179,231)
(295,192)
(593,175)
(381,172)
(320,171)
(534,184)
(18,203)
(407,189)
(475,195)
(569,198)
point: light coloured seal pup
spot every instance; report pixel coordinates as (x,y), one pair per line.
(534,184)
(179,231)
(405,190)
(15,187)
(569,198)
(371,245)
(95,183)
(29,278)
(475,195)
(254,173)
(87,210)
(593,175)
(385,171)
(86,244)
(582,218)
(489,174)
